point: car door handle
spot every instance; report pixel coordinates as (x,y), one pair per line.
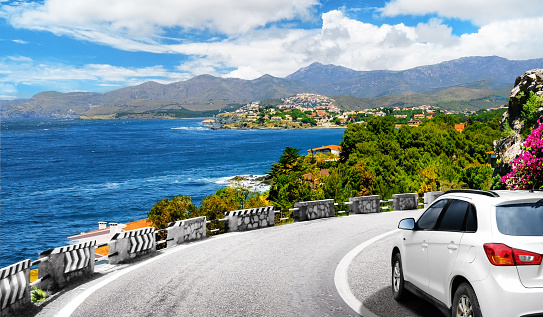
(452,247)
(424,245)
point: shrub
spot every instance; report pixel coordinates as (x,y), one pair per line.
(527,168)
(37,295)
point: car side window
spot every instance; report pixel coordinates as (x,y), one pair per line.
(471,219)
(453,218)
(429,218)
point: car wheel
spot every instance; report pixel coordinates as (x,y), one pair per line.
(465,303)
(398,290)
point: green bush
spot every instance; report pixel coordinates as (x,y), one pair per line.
(37,295)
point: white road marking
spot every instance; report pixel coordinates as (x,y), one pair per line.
(341,279)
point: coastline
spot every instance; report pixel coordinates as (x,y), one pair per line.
(261,127)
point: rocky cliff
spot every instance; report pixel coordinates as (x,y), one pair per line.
(513,120)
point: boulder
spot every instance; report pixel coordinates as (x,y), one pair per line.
(508,148)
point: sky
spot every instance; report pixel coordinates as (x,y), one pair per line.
(103,45)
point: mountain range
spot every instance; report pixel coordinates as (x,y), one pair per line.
(469,82)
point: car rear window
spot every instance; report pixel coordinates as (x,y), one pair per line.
(525,219)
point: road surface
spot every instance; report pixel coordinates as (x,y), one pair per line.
(288,270)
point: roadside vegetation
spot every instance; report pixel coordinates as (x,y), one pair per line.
(212,207)
(379,157)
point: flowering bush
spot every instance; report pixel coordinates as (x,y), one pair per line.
(527,168)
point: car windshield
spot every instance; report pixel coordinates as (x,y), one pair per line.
(525,219)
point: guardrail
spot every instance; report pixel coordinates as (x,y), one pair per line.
(284,216)
(216,230)
(60,266)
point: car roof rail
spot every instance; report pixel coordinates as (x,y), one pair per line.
(488,193)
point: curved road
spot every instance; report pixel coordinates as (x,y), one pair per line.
(282,271)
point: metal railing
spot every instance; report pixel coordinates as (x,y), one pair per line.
(161,238)
(213,226)
(284,216)
(43,278)
(342,208)
(420,205)
(388,204)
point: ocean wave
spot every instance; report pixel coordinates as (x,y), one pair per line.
(144,184)
(191,128)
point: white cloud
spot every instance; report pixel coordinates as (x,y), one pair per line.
(22,70)
(244,72)
(146,20)
(244,48)
(20,42)
(513,39)
(20,59)
(480,12)
(8,90)
(362,46)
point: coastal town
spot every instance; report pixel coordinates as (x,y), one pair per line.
(313,110)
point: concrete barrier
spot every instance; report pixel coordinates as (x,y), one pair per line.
(65,264)
(309,210)
(14,288)
(429,197)
(128,245)
(186,230)
(364,204)
(404,201)
(249,219)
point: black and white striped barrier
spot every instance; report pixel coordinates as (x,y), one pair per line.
(127,245)
(14,288)
(57,267)
(249,219)
(186,230)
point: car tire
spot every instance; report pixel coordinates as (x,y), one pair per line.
(398,289)
(465,303)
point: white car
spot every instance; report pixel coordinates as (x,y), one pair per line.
(474,253)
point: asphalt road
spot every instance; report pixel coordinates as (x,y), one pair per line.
(279,271)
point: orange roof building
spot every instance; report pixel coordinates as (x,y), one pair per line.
(104,234)
(459,127)
(329,149)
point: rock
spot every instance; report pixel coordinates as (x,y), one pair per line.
(531,81)
(508,148)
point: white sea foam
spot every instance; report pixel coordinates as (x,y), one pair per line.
(251,182)
(191,128)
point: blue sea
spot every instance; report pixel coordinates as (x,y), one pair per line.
(61,177)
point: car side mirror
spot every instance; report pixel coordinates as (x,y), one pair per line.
(407,224)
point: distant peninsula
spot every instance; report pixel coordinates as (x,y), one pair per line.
(306,111)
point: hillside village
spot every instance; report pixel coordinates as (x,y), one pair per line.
(314,110)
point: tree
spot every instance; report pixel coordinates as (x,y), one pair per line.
(530,111)
(527,168)
(379,125)
(166,211)
(288,189)
(287,162)
(477,176)
(345,182)
(429,180)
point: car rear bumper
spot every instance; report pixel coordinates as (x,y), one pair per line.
(503,295)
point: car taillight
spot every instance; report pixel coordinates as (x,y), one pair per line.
(502,255)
